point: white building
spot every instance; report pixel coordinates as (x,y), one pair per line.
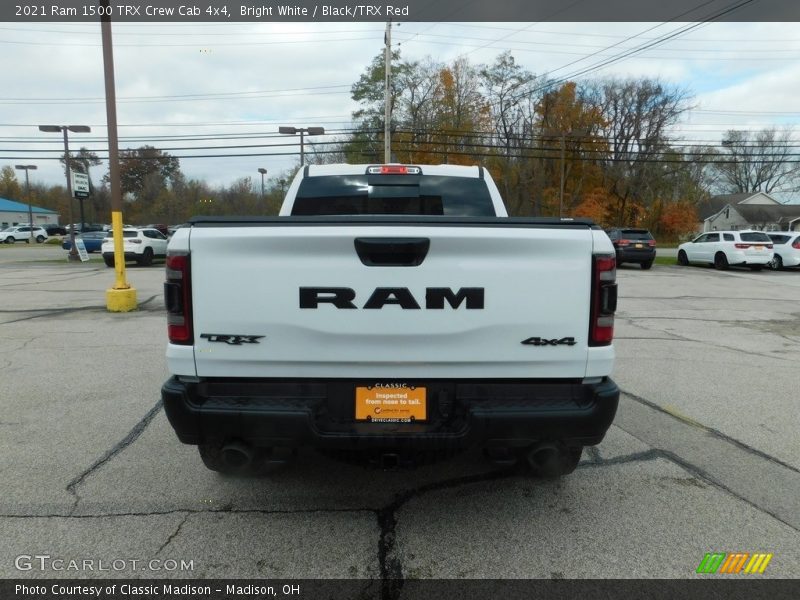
(13,213)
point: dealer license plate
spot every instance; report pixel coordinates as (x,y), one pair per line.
(391,404)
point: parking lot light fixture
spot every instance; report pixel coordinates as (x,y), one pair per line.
(301,130)
(73,250)
(27,168)
(263,172)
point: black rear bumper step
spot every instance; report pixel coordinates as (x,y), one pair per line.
(320,413)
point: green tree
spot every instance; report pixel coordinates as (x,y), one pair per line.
(145,170)
(9,186)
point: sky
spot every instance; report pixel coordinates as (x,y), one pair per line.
(218,80)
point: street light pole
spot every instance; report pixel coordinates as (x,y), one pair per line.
(27,168)
(561,196)
(301,131)
(73,251)
(263,172)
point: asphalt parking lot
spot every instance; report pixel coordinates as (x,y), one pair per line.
(704,455)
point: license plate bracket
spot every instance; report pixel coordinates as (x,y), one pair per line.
(384,403)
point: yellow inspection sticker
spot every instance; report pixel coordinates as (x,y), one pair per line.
(390,404)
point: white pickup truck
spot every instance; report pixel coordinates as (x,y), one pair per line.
(395,313)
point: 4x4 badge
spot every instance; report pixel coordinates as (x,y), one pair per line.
(537,341)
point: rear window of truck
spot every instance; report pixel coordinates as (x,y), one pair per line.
(393,195)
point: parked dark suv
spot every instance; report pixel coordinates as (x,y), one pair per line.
(633,246)
(52,229)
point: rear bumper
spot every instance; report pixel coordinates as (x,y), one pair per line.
(320,413)
(635,255)
(740,258)
(128,255)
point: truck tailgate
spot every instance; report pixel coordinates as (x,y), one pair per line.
(247,280)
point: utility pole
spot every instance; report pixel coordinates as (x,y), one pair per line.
(561,197)
(387,98)
(121,297)
(27,168)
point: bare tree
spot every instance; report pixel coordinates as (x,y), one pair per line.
(638,114)
(761,162)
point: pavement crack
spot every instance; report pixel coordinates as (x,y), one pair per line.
(711,431)
(191,511)
(174,533)
(132,436)
(391,568)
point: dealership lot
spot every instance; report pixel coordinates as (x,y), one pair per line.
(704,455)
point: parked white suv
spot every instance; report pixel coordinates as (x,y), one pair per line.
(787,249)
(9,235)
(728,248)
(141,245)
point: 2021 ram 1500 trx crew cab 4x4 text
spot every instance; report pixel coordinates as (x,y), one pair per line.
(395,312)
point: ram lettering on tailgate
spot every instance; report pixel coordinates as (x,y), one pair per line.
(435,298)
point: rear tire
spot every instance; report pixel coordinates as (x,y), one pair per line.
(109,261)
(40,239)
(776,264)
(720,261)
(10,240)
(147,258)
(564,464)
(647,265)
(683,260)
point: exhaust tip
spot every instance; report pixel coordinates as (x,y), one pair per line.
(237,455)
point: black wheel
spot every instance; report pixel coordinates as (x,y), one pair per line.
(776,264)
(756,267)
(720,261)
(40,239)
(109,261)
(147,258)
(10,240)
(556,465)
(683,260)
(647,265)
(212,457)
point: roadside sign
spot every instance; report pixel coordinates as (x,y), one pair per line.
(81,250)
(80,184)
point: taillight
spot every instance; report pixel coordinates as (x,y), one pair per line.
(604,299)
(742,246)
(651,243)
(796,244)
(623,242)
(178,298)
(769,246)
